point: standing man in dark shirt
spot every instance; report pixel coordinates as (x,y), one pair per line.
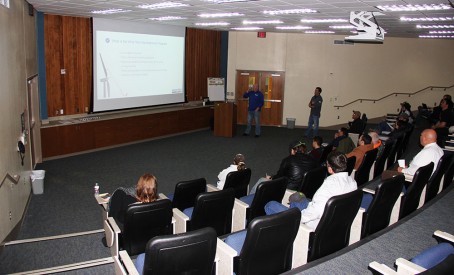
(316,106)
(256,102)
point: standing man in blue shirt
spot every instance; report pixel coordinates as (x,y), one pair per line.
(256,101)
(316,106)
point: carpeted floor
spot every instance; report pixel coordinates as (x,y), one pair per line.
(68,206)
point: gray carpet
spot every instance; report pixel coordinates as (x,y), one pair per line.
(68,206)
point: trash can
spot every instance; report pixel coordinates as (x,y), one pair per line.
(37,177)
(291,123)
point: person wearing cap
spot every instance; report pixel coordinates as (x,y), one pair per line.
(293,167)
(316,106)
(237,165)
(357,125)
(337,183)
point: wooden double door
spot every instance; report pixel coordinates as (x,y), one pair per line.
(271,84)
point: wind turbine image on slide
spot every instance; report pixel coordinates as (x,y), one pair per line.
(106,83)
(105,80)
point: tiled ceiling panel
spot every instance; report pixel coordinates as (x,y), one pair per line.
(253,10)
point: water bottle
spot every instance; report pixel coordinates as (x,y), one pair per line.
(96,189)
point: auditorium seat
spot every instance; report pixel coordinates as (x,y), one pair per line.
(239,181)
(351,165)
(326,150)
(381,161)
(414,194)
(252,206)
(312,180)
(384,208)
(213,209)
(142,222)
(438,259)
(264,248)
(433,186)
(187,253)
(339,226)
(186,192)
(363,174)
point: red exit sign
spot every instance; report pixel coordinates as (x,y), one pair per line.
(261,34)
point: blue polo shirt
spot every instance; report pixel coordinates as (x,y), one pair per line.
(255,100)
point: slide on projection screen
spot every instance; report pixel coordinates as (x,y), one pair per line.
(136,64)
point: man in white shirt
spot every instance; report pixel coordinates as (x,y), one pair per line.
(430,153)
(338,183)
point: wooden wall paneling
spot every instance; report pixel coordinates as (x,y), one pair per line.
(168,123)
(85,45)
(53,53)
(203,48)
(77,60)
(70,64)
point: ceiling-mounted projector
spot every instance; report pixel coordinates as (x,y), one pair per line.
(368,31)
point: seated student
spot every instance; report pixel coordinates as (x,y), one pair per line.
(237,165)
(376,141)
(357,125)
(338,183)
(145,191)
(445,121)
(317,149)
(293,167)
(432,114)
(430,152)
(364,145)
(342,142)
(405,115)
(400,128)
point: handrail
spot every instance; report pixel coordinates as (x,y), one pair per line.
(395,94)
(14,179)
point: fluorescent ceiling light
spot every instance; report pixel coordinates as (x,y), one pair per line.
(247,29)
(167,18)
(212,24)
(436,36)
(215,15)
(163,5)
(343,27)
(294,28)
(293,11)
(435,26)
(442,32)
(319,32)
(249,22)
(324,20)
(110,11)
(424,19)
(228,1)
(422,7)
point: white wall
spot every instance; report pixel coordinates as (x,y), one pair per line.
(18,58)
(345,72)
